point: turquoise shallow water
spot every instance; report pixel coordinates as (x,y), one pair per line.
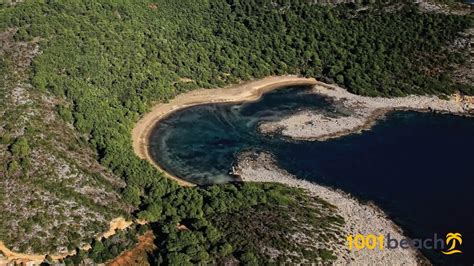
(418,167)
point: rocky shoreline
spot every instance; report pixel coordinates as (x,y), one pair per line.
(360,218)
(359,113)
(363,113)
(247,91)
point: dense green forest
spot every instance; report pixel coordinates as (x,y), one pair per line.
(106,249)
(110,60)
(229,222)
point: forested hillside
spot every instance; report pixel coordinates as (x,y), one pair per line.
(109,61)
(54,195)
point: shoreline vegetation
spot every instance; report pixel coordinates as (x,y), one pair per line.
(361,217)
(367,110)
(71,93)
(364,113)
(247,91)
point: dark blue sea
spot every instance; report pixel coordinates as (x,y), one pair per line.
(417,167)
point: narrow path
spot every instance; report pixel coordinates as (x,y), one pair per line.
(11,256)
(138,254)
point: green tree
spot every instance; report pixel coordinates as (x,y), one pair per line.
(152,212)
(65,113)
(13,167)
(248,258)
(97,249)
(176,258)
(20,148)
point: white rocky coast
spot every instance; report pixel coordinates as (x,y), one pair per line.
(364,111)
(360,218)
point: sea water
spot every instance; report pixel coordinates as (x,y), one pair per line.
(418,167)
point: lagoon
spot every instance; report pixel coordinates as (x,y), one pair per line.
(416,166)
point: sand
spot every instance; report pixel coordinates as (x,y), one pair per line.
(116,224)
(360,218)
(248,91)
(17,257)
(303,125)
(37,259)
(365,111)
(138,254)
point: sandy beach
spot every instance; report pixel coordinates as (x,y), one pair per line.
(248,91)
(364,112)
(359,218)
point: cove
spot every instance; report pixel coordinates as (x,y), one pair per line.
(416,166)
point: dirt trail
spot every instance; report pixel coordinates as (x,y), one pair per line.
(118,223)
(19,258)
(11,256)
(136,255)
(248,91)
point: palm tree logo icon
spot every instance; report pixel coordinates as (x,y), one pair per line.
(452,239)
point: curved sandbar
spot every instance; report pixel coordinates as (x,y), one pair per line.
(360,218)
(364,111)
(304,125)
(248,91)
